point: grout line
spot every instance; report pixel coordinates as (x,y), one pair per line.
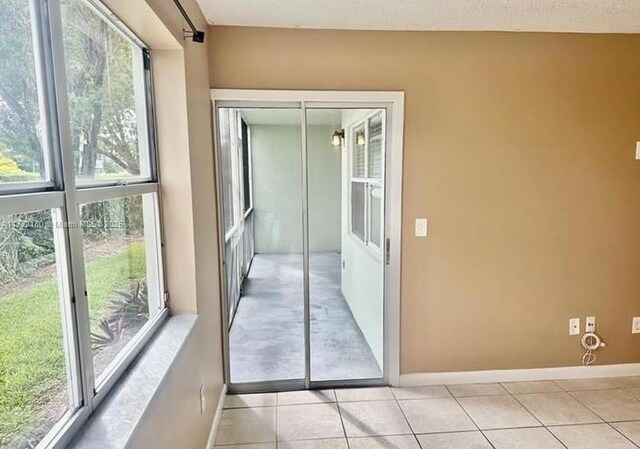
(469,416)
(344,429)
(405,418)
(556,437)
(586,406)
(463,409)
(541,423)
(527,410)
(541,426)
(623,435)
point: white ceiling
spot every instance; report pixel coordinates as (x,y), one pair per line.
(587,16)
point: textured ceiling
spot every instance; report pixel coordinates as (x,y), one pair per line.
(586,16)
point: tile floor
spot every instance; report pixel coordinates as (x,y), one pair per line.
(573,414)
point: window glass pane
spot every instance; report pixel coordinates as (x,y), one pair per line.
(225,166)
(357,209)
(122,269)
(109,135)
(358,151)
(22,128)
(34,391)
(375,146)
(246,173)
(375,214)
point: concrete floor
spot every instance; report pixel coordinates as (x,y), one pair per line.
(267,335)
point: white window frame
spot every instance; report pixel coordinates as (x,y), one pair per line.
(366,180)
(63,195)
(393,102)
(237,175)
(250,168)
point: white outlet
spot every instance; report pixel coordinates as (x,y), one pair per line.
(574,326)
(635,328)
(638,151)
(590,324)
(421,227)
(203,400)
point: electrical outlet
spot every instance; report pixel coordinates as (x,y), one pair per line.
(635,328)
(203,400)
(590,324)
(638,151)
(574,326)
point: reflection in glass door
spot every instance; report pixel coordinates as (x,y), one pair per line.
(345,170)
(260,157)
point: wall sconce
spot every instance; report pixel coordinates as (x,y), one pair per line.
(336,138)
(360,139)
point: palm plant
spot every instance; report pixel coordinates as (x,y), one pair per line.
(125,310)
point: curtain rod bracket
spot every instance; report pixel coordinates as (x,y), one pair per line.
(195,36)
(193,33)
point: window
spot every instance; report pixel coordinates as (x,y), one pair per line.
(81,280)
(234,161)
(367,143)
(235,167)
(23,157)
(105,79)
(246,169)
(34,387)
(358,209)
(120,253)
(359,151)
(226,170)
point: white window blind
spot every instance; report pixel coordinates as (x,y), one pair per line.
(375,146)
(358,140)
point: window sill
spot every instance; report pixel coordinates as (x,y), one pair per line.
(114,422)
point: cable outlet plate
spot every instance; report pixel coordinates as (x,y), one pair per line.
(574,326)
(590,324)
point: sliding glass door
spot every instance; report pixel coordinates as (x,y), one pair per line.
(301,194)
(345,154)
(260,166)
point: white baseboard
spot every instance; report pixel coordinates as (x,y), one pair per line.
(515,375)
(216,418)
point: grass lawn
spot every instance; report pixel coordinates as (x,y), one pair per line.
(32,362)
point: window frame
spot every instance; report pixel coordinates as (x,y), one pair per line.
(63,194)
(237,176)
(247,172)
(366,180)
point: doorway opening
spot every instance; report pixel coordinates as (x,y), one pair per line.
(304,248)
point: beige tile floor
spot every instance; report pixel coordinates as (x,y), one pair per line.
(572,414)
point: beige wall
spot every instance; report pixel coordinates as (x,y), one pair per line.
(519,149)
(190,230)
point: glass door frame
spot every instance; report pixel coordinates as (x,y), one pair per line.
(393,104)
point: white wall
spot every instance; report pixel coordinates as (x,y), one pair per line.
(277,189)
(325,186)
(362,275)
